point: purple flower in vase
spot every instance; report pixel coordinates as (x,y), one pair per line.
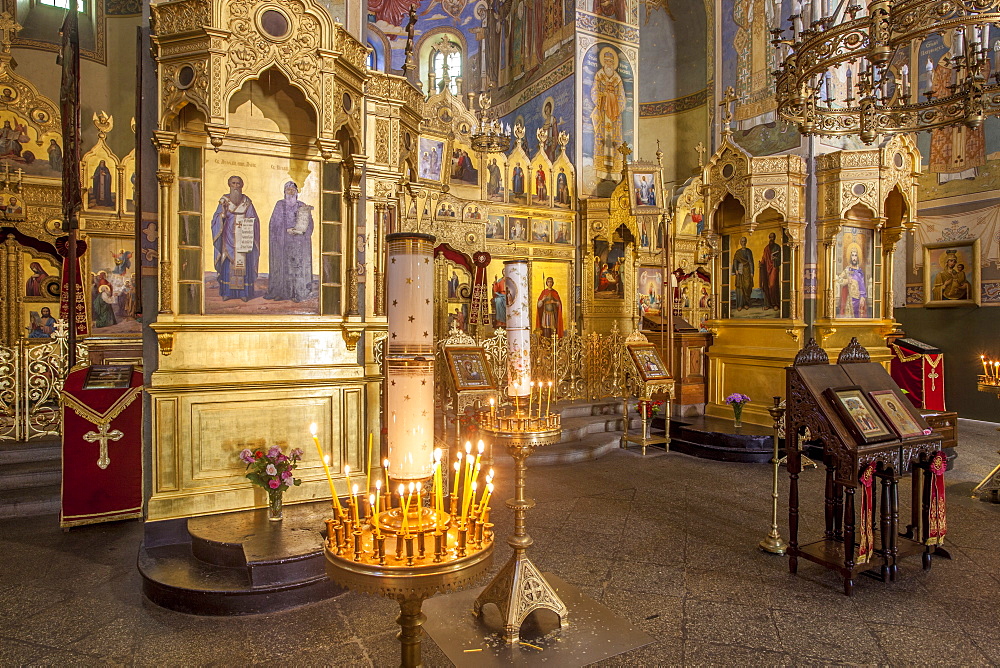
(273,484)
(282,459)
(285,475)
(737,398)
(247,456)
(296,453)
(274,451)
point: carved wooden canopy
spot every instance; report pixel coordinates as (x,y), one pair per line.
(208,49)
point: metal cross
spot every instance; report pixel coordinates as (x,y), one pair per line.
(103,436)
(701,154)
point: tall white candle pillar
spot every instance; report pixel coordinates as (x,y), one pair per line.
(409,360)
(515,277)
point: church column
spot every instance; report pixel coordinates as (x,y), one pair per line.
(891,237)
(166,143)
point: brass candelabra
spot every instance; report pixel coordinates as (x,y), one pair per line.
(519,588)
(773,542)
(409,551)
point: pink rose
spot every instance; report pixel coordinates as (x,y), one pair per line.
(273,484)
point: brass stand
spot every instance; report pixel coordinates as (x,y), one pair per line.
(773,542)
(645,438)
(519,588)
(408,567)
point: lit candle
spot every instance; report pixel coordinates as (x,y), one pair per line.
(347,472)
(983,359)
(996,371)
(402,505)
(368,478)
(458,467)
(354,503)
(468,501)
(378,495)
(531,391)
(373,505)
(326,467)
(485,505)
(385,470)
(548,408)
(333,492)
(929,68)
(489,483)
(493,413)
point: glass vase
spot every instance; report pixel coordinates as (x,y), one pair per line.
(274,507)
(737,415)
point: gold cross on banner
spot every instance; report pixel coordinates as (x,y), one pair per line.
(103,436)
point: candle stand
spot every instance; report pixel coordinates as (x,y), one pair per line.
(990,485)
(773,542)
(409,561)
(519,588)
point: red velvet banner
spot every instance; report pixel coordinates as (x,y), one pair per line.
(920,374)
(937,523)
(80,312)
(101,452)
(867,540)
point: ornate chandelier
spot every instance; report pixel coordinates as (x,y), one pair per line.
(845,71)
(489,135)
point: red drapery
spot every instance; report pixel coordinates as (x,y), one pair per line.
(101,483)
(920,373)
(867,540)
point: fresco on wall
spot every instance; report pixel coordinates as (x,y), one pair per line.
(261,238)
(21,147)
(112,298)
(607,116)
(957,160)
(649,288)
(609,260)
(552,109)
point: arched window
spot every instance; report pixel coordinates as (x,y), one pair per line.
(81,5)
(445,65)
(372,57)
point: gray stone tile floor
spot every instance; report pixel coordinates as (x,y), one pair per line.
(668,542)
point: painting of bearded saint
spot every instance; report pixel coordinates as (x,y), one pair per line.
(290,231)
(236,237)
(608,96)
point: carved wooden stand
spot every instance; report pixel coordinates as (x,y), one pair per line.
(519,588)
(807,378)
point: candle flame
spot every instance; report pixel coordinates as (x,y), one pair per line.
(313,428)
(326,459)
(354,488)
(481,446)
(411,488)
(458,457)
(437,454)
(474,484)
(419,486)
(491,402)
(491,472)
(458,465)
(468,447)
(402,489)
(347,469)
(385,463)
(378,485)
(371,499)
(489,487)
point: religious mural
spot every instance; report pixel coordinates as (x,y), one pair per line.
(755,275)
(22,147)
(607,116)
(253,266)
(852,272)
(958,160)
(609,261)
(649,288)
(112,298)
(550,282)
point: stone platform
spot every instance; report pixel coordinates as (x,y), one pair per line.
(237,563)
(717,438)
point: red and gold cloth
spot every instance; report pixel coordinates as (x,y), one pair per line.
(867,538)
(80,310)
(919,369)
(937,522)
(98,488)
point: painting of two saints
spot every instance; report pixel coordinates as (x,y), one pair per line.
(241,283)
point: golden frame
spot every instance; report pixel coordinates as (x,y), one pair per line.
(971,248)
(647,363)
(470,370)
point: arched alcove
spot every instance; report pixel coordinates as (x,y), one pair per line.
(270,106)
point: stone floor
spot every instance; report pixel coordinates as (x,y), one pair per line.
(666,541)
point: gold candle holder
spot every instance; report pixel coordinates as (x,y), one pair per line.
(773,542)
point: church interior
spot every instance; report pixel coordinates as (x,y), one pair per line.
(577,332)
